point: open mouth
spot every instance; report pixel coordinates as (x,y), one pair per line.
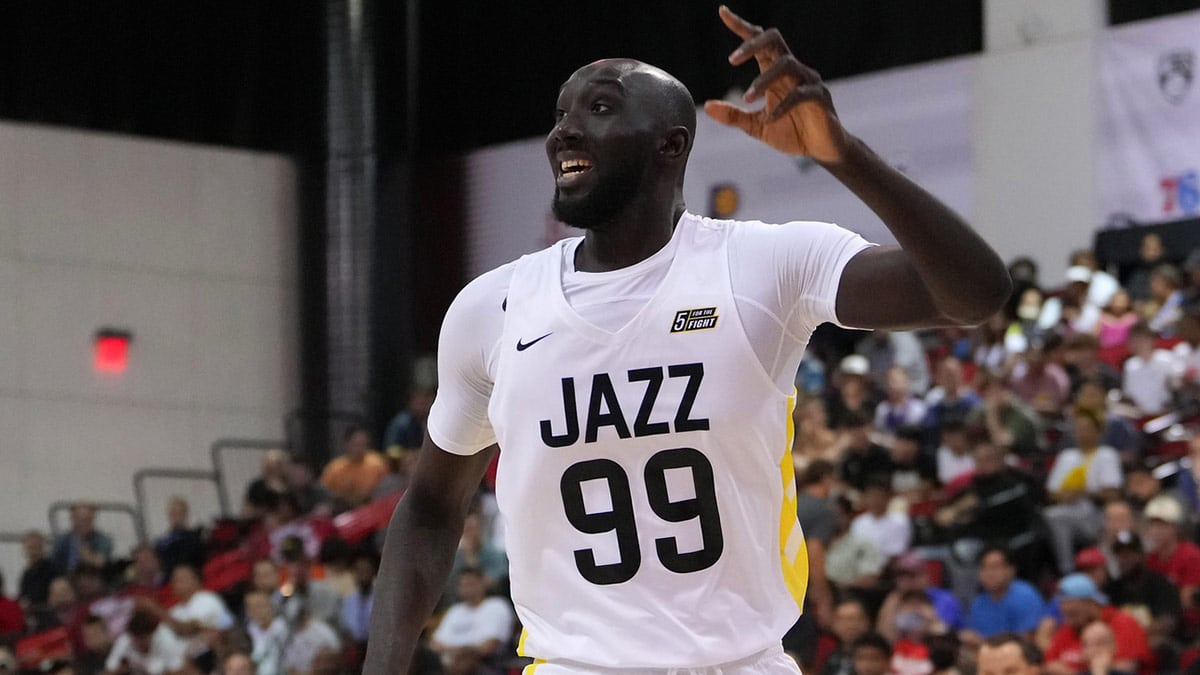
(572,169)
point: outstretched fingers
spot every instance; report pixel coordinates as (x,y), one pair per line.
(764,45)
(730,115)
(743,28)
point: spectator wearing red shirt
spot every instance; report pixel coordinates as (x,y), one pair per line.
(12,618)
(1170,554)
(1082,603)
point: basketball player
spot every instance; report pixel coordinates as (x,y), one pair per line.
(639,382)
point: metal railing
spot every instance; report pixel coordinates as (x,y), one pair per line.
(142,475)
(218,476)
(12,537)
(220,447)
(139,525)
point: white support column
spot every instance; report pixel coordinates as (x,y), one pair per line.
(1034,127)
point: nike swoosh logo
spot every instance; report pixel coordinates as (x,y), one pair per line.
(522,346)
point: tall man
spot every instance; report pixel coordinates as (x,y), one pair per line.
(639,380)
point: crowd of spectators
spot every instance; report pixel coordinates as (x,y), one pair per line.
(1004,499)
(274,591)
(1026,490)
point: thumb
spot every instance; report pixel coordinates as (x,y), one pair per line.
(733,116)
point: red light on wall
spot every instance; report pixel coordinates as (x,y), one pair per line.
(111,354)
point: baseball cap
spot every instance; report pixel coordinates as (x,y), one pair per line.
(1079,273)
(1079,586)
(1164,508)
(1127,540)
(855,364)
(1089,558)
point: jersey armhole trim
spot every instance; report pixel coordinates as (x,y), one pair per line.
(454,447)
(837,286)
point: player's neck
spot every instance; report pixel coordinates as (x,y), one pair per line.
(632,236)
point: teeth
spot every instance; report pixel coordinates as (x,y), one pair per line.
(572,165)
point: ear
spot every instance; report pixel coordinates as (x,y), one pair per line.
(675,144)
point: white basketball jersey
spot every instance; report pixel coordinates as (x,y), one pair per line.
(645,478)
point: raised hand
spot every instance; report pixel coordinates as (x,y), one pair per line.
(799,117)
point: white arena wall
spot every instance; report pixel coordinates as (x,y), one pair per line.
(192,249)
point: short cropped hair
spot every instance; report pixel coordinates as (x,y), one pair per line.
(873,640)
(1029,651)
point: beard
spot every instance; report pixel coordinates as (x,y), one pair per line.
(598,206)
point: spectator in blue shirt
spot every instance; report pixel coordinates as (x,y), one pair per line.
(951,397)
(1006,604)
(84,544)
(356,607)
(406,430)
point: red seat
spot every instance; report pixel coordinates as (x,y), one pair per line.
(1171,450)
(924,509)
(1188,657)
(44,648)
(355,525)
(225,570)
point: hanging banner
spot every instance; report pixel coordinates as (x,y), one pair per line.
(1149,144)
(916,118)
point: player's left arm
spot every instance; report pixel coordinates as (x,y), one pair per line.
(942,273)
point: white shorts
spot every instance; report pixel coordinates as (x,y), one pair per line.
(772,661)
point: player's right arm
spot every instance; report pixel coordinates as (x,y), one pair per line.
(419,551)
(459,444)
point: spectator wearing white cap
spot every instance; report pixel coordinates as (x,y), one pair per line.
(852,391)
(1087,290)
(1170,554)
(1148,372)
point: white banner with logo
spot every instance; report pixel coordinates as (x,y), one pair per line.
(917,118)
(1149,144)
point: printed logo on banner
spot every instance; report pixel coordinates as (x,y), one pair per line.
(724,200)
(1176,70)
(1181,193)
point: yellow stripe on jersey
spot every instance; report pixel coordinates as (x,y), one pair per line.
(793,551)
(521,642)
(529,669)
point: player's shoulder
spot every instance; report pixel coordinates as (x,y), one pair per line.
(757,233)
(485,295)
(491,287)
(757,226)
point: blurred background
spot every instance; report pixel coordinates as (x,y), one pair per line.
(230,227)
